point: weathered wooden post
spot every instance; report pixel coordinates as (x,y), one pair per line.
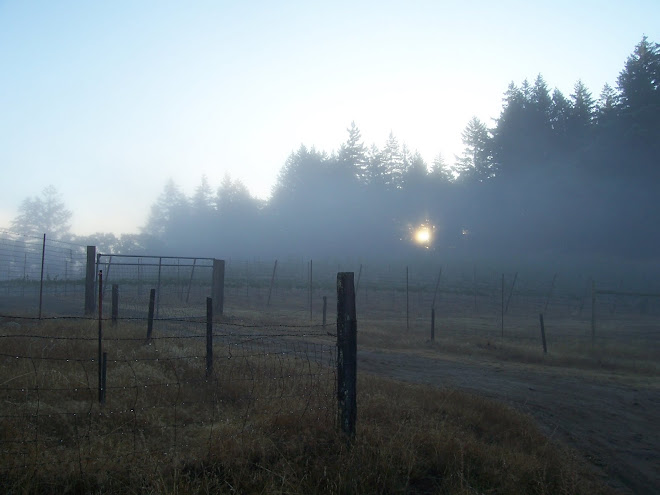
(115,303)
(346,353)
(150,318)
(209,336)
(311,288)
(218,289)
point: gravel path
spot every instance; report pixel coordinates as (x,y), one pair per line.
(614,424)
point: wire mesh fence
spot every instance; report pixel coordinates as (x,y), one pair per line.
(182,284)
(160,402)
(36,271)
(469,301)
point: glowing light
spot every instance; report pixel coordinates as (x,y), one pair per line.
(423,235)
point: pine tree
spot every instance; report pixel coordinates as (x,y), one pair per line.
(393,164)
(639,87)
(352,156)
(202,200)
(169,212)
(475,163)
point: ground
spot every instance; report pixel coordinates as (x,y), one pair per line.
(611,419)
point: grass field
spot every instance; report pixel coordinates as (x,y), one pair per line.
(263,422)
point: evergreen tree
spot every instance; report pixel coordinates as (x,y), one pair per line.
(43,215)
(475,164)
(607,106)
(639,86)
(169,213)
(440,171)
(560,114)
(393,164)
(352,156)
(375,173)
(202,200)
(640,79)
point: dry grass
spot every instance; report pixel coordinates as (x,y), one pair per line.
(480,338)
(261,424)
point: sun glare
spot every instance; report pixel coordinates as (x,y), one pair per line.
(423,235)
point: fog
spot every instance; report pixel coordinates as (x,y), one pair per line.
(554,179)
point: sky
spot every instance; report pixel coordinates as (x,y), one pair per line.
(106,101)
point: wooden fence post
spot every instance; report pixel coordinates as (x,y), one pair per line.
(545,347)
(311,287)
(115,303)
(150,320)
(218,289)
(209,336)
(346,353)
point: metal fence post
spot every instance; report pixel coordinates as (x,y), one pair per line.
(41,284)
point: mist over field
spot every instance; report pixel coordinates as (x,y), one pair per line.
(554,177)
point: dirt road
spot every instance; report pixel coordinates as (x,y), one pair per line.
(613,422)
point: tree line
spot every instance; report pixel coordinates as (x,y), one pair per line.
(576,174)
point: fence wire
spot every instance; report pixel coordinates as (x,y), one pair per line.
(161,404)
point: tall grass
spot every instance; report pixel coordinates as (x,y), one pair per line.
(263,422)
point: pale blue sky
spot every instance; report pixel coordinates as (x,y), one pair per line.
(107,100)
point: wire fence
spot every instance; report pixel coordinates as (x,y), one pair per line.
(161,400)
(465,301)
(41,273)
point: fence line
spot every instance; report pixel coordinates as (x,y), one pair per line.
(53,420)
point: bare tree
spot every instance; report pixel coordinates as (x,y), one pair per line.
(45,214)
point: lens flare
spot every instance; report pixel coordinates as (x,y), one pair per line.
(423,235)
